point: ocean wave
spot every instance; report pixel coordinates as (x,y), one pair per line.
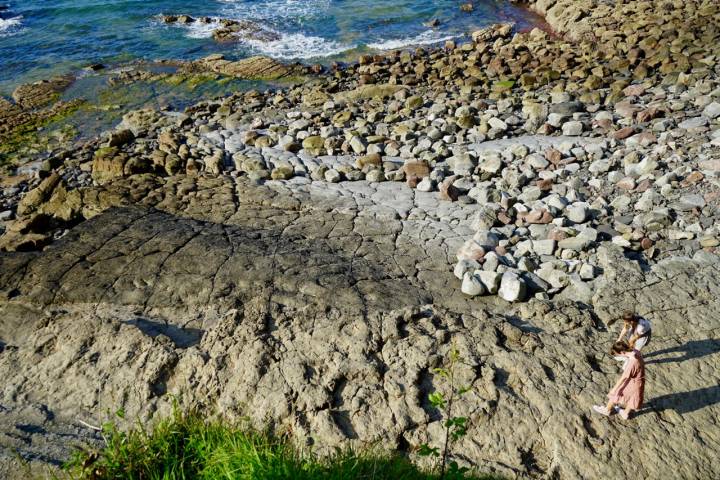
(9,26)
(201,30)
(288,46)
(275,10)
(428,37)
(297,46)
(195,29)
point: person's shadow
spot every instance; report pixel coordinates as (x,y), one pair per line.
(686,351)
(684,402)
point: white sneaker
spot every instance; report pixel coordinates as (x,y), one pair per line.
(601,409)
(624,414)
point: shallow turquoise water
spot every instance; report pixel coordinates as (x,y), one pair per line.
(42,37)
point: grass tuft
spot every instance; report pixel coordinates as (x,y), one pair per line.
(189,446)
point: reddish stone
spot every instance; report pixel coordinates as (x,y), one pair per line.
(626,109)
(643,186)
(447,191)
(545,129)
(412,181)
(471,250)
(713,165)
(540,216)
(545,185)
(692,179)
(504,218)
(627,183)
(557,235)
(646,138)
(649,114)
(646,243)
(553,156)
(416,169)
(500,250)
(712,196)
(634,90)
(623,133)
(605,124)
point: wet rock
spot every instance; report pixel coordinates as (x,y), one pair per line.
(252,68)
(120,138)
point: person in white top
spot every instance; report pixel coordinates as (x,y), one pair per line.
(638,329)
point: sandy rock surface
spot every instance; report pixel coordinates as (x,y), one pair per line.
(326,310)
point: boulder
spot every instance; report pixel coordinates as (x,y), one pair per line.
(490,280)
(471,285)
(314,144)
(35,197)
(512,287)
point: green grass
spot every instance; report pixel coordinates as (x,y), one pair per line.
(188,446)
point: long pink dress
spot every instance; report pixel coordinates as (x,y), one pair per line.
(628,391)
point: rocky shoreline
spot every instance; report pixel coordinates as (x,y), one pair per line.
(529,183)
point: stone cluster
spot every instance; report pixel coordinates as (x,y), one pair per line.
(560,150)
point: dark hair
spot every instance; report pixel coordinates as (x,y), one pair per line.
(620,347)
(628,316)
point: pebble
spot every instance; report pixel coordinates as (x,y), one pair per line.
(712,111)
(332,176)
(572,129)
(577,212)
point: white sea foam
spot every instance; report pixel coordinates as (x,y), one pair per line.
(428,37)
(297,46)
(10,26)
(195,29)
(201,30)
(276,9)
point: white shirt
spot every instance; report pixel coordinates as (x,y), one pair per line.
(643,326)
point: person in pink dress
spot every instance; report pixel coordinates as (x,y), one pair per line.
(629,389)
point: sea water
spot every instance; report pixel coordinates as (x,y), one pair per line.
(40,38)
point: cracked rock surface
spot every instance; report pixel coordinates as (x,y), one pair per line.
(323,308)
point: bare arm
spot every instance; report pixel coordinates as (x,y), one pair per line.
(622,333)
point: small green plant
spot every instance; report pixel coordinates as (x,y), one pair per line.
(190,445)
(455,427)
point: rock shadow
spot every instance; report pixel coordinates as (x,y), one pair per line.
(141,256)
(181,337)
(684,402)
(685,351)
(523,325)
